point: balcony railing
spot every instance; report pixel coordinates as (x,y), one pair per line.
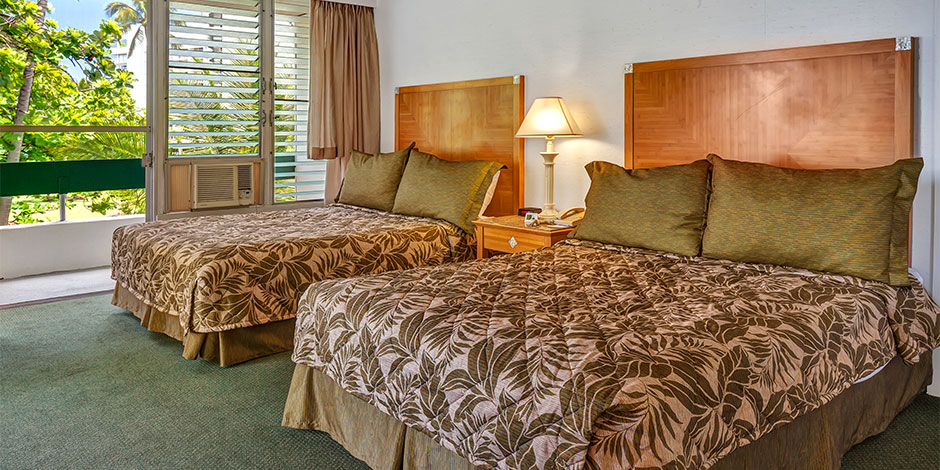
(69,176)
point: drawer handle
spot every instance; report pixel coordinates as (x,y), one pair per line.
(512,242)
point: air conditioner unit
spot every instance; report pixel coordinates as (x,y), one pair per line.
(222,185)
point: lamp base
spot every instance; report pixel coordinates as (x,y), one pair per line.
(548,215)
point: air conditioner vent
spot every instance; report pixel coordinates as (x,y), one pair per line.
(222,185)
(244,177)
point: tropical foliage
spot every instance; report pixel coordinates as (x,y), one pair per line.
(63,76)
(130,16)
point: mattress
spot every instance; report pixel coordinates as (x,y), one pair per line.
(596,356)
(219,273)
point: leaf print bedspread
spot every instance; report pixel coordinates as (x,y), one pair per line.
(594,356)
(231,271)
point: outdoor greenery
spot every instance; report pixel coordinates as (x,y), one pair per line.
(37,88)
(52,75)
(130,16)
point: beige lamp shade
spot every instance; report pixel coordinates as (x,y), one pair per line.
(548,117)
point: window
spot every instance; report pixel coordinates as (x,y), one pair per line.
(295,179)
(214,72)
(237,90)
(75,152)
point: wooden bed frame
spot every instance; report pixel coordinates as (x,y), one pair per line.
(834,106)
(469,120)
(845,105)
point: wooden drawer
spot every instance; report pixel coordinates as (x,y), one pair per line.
(508,234)
(499,239)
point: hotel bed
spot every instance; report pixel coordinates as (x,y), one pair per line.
(599,355)
(589,355)
(227,286)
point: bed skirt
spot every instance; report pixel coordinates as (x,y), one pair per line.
(816,440)
(228,347)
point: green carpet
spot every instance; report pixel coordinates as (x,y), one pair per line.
(82,385)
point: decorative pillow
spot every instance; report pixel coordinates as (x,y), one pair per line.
(657,208)
(441,189)
(372,180)
(842,221)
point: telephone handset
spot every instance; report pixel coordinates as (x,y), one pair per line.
(574,211)
(571,217)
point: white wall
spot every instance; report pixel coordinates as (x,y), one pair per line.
(58,246)
(577,50)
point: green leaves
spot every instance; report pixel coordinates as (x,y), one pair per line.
(127,15)
(99,95)
(27,210)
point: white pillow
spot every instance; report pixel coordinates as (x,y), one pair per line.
(489,193)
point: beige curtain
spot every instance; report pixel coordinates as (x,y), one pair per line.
(344,86)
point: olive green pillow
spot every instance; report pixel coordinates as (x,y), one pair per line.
(658,208)
(441,189)
(842,221)
(372,180)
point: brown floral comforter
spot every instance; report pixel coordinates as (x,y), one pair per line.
(224,272)
(593,356)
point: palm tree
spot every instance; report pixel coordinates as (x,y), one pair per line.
(19,116)
(129,16)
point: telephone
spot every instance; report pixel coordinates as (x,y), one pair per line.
(570,218)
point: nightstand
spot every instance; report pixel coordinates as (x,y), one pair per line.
(509,234)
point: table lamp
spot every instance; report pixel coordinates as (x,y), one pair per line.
(549,118)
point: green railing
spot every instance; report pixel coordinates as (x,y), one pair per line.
(69,176)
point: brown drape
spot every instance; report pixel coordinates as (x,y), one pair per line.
(344,86)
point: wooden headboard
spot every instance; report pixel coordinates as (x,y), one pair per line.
(833,106)
(469,120)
